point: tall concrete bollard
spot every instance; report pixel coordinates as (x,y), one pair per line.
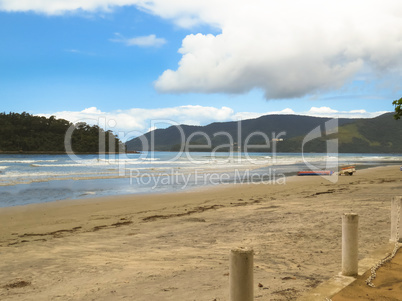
(396,207)
(241,278)
(350,223)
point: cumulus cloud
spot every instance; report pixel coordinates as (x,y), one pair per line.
(143,41)
(135,122)
(285,48)
(288,48)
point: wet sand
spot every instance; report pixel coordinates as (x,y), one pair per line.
(176,246)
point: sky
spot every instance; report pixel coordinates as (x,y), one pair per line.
(136,65)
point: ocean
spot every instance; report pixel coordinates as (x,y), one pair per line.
(27,179)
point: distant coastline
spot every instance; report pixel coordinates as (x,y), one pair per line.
(62,153)
(163,151)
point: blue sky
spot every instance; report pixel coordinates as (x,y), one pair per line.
(198,61)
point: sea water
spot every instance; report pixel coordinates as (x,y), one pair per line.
(27,179)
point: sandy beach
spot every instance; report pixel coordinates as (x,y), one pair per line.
(176,246)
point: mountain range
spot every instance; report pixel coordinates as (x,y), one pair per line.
(286,133)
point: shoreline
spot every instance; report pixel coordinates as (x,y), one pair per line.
(175,245)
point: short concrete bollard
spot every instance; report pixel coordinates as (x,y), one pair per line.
(350,244)
(396,207)
(241,278)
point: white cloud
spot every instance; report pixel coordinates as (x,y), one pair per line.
(288,48)
(322,110)
(91,110)
(285,48)
(134,122)
(57,7)
(252,115)
(143,41)
(328,112)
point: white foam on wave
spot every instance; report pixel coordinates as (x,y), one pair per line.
(62,165)
(25,161)
(4,167)
(384,158)
(21,174)
(81,163)
(155,162)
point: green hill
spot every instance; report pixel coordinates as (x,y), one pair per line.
(382,134)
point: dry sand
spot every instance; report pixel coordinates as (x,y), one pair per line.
(176,246)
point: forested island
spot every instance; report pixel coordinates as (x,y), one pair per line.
(26,133)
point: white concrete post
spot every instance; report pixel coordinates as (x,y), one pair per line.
(350,223)
(241,280)
(395,204)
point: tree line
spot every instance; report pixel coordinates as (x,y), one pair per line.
(23,132)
